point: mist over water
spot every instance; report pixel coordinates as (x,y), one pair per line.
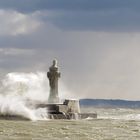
(17,89)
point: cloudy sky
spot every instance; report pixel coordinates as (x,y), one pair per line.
(97,43)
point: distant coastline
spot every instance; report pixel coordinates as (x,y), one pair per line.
(109,103)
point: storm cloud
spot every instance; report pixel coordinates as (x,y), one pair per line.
(30,5)
(96,15)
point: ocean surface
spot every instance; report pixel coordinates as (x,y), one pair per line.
(111,124)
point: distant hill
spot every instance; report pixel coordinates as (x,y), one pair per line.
(109,103)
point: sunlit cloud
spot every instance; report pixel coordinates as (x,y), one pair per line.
(15,23)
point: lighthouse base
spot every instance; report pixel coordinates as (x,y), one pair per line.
(69,109)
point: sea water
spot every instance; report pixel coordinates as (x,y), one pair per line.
(111,124)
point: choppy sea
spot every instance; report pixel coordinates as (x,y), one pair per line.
(111,124)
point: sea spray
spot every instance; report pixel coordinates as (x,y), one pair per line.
(33,86)
(17,89)
(10,105)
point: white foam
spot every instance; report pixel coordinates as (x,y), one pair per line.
(17,89)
